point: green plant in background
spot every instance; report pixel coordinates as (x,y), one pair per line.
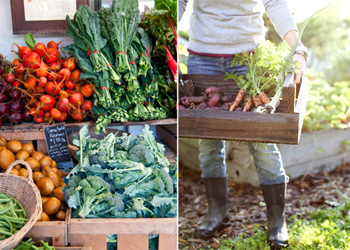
(328,105)
(326,229)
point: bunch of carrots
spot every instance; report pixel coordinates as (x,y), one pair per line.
(248,102)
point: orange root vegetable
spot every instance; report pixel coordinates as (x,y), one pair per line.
(264,98)
(238,99)
(248,103)
(257,102)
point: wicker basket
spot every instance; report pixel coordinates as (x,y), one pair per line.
(27,194)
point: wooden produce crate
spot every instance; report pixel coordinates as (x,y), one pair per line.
(283,127)
(132,234)
(29,134)
(54,232)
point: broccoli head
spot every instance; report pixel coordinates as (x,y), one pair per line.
(91,191)
(141,153)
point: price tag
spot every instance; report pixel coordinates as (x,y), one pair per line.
(57,145)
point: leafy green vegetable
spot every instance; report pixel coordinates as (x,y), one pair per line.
(131,166)
(144,88)
(265,66)
(86,33)
(29,39)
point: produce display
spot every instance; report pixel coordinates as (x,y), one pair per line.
(31,245)
(51,83)
(126,63)
(47,178)
(121,177)
(119,68)
(12,216)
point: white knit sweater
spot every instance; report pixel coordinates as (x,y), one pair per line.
(230,26)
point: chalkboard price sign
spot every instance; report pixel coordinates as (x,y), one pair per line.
(57,145)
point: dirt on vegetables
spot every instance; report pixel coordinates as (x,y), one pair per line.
(246,206)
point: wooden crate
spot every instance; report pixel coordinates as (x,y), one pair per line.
(282,127)
(168,133)
(78,232)
(132,234)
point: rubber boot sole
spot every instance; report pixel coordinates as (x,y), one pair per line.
(225,223)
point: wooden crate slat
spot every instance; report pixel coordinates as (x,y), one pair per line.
(289,92)
(47,229)
(132,241)
(172,128)
(30,125)
(59,241)
(123,226)
(96,241)
(167,242)
(22,135)
(168,137)
(302,102)
(41,146)
(202,82)
(216,124)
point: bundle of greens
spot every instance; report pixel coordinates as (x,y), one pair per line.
(125,177)
(144,88)
(86,33)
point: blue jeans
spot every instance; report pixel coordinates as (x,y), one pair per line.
(267,158)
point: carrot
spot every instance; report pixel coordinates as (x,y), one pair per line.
(264,98)
(248,103)
(238,99)
(257,102)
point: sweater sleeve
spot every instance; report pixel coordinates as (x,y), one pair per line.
(181,8)
(280,16)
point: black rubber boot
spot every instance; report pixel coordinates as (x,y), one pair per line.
(217,217)
(274,196)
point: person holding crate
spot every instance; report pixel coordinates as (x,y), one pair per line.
(218,31)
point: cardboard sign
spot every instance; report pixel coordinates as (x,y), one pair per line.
(57,145)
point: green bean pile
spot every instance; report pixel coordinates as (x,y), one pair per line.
(29,245)
(12,216)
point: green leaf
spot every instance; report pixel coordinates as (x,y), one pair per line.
(160,201)
(29,39)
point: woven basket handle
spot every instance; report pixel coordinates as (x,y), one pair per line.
(26,164)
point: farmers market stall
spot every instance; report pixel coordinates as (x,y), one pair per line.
(116,73)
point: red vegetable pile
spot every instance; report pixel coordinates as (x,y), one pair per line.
(12,100)
(49,85)
(212,99)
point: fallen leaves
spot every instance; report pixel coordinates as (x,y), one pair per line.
(246,209)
